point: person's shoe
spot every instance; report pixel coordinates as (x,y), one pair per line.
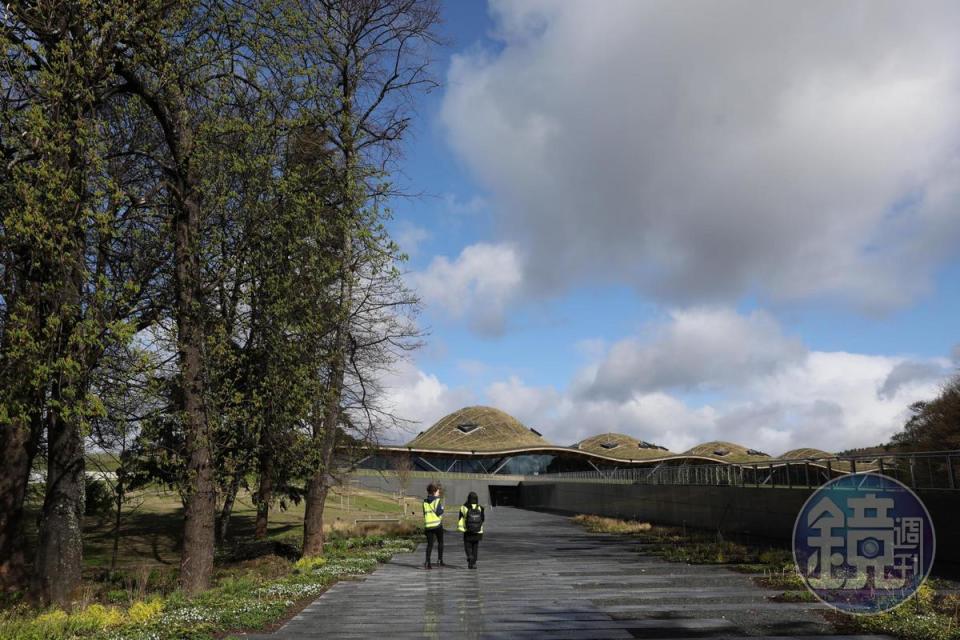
(427,565)
(471,566)
(441,563)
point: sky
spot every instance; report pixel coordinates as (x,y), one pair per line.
(686,221)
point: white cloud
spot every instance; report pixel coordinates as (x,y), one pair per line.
(696,349)
(831,401)
(479,285)
(409,237)
(530,405)
(419,398)
(910,372)
(790,397)
(704,150)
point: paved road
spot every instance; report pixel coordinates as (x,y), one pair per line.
(540,577)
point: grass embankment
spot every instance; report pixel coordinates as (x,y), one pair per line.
(257,583)
(933,614)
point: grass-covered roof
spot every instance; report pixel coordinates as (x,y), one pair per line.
(478,429)
(805,453)
(619,445)
(728,452)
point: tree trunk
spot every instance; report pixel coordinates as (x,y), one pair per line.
(196,560)
(313,537)
(118,494)
(58,566)
(264,494)
(321,479)
(228,502)
(18,446)
(59,560)
(326,435)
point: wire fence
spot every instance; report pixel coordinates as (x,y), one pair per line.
(928,470)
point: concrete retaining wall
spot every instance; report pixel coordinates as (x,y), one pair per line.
(763,512)
(767,513)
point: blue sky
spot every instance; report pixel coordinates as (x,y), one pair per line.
(631,223)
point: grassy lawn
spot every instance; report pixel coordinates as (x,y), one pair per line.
(933,614)
(152,524)
(256,584)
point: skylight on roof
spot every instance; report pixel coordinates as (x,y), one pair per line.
(535,431)
(754,452)
(721,452)
(609,445)
(467,427)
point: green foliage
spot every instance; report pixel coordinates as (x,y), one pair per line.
(935,424)
(308,564)
(195,256)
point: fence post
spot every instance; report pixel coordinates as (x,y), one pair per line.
(756,476)
(853,465)
(806,472)
(913,473)
(789,479)
(952,479)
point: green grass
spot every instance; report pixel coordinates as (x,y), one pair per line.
(254,587)
(153,521)
(149,551)
(926,616)
(248,596)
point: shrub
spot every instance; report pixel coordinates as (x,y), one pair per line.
(97,616)
(144,612)
(59,625)
(309,564)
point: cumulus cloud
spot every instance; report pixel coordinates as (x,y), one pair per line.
(695,349)
(910,372)
(418,399)
(694,378)
(700,151)
(827,400)
(530,405)
(478,285)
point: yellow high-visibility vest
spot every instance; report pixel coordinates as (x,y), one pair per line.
(430,518)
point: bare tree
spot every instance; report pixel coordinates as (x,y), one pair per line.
(376,54)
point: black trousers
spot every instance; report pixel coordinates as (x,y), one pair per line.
(435,533)
(471,544)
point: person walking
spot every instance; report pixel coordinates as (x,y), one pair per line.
(470,523)
(433,523)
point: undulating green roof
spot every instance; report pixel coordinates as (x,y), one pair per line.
(727,451)
(619,445)
(478,429)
